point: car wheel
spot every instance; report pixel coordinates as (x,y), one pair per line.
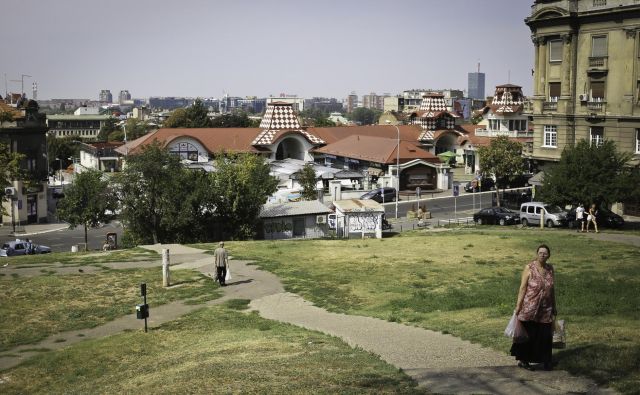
(479,221)
(502,222)
(549,224)
(525,223)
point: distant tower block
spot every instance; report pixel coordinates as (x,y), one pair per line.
(34,87)
(476,85)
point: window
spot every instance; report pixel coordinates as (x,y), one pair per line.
(555,51)
(554,91)
(517,124)
(598,46)
(494,124)
(597,135)
(637,141)
(597,90)
(550,136)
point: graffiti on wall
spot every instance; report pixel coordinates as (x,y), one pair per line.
(367,222)
(277,227)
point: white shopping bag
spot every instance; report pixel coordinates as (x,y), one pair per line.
(227,277)
(511,327)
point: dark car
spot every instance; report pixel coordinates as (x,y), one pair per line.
(519,181)
(381,195)
(480,184)
(604,218)
(496,216)
(21,247)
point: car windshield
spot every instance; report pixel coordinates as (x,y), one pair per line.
(553,209)
(502,210)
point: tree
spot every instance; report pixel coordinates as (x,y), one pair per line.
(308,181)
(60,149)
(503,159)
(241,185)
(234,120)
(589,173)
(194,116)
(135,128)
(365,116)
(152,193)
(88,201)
(9,169)
(107,128)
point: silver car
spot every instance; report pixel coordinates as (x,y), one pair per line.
(20,247)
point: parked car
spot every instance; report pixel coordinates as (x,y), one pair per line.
(480,184)
(381,195)
(20,247)
(533,213)
(519,181)
(604,218)
(496,216)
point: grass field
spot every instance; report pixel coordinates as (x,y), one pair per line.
(33,308)
(213,350)
(465,283)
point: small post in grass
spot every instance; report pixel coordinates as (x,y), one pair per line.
(142,310)
(165,268)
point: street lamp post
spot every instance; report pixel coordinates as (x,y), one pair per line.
(397,165)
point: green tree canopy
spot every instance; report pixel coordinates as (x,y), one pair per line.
(241,185)
(134,127)
(151,194)
(308,181)
(589,173)
(9,169)
(234,120)
(107,128)
(501,158)
(365,116)
(88,201)
(194,116)
(60,149)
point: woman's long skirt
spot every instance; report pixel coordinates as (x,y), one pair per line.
(538,348)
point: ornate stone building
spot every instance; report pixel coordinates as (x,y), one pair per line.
(586,75)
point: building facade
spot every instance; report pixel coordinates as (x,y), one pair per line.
(105,96)
(85,127)
(475,86)
(586,75)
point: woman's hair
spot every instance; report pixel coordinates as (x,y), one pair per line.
(544,246)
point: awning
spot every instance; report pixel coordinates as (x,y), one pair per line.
(446,155)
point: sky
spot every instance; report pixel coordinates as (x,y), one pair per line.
(199,48)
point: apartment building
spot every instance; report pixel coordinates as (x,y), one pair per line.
(586,75)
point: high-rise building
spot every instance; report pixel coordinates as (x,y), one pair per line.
(124,96)
(105,96)
(352,102)
(475,85)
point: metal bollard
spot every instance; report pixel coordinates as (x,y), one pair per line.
(166,280)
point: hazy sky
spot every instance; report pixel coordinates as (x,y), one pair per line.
(74,48)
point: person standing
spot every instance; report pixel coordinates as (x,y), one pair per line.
(536,310)
(580,217)
(221,262)
(591,218)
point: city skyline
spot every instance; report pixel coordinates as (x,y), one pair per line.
(75,49)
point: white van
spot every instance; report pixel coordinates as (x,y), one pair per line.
(531,212)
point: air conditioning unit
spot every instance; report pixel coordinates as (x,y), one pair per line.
(321,219)
(584,97)
(9,191)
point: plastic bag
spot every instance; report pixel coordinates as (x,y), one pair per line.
(508,331)
(227,277)
(559,334)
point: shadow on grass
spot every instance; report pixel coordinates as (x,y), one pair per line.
(604,364)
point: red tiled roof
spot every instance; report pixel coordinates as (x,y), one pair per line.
(213,139)
(377,149)
(4,107)
(331,135)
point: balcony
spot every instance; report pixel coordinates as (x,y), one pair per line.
(550,105)
(509,133)
(596,104)
(598,63)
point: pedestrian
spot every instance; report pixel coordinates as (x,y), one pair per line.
(591,218)
(536,310)
(28,246)
(221,263)
(580,217)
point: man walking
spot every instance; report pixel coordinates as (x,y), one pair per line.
(221,262)
(580,217)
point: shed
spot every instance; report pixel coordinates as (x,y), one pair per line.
(357,218)
(292,220)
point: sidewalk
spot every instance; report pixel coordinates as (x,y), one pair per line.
(6,231)
(442,363)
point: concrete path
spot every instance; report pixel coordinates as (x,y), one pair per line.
(442,363)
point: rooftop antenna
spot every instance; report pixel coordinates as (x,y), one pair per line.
(478,67)
(6,90)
